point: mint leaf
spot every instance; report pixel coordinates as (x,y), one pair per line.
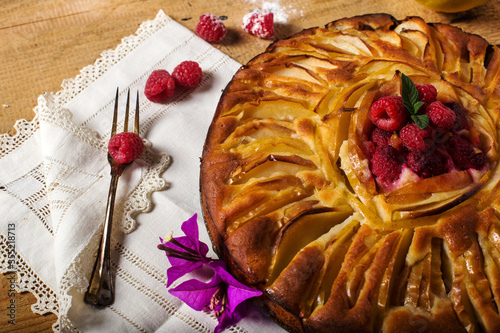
(421,120)
(411,101)
(409,93)
(417,106)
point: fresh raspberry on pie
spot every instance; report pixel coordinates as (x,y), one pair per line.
(187,74)
(440,115)
(159,86)
(386,164)
(414,137)
(426,164)
(381,137)
(464,154)
(211,28)
(125,147)
(260,24)
(461,118)
(388,113)
(369,147)
(427,93)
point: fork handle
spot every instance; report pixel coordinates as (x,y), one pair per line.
(100,292)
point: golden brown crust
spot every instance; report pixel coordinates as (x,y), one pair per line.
(292,207)
(249,246)
(290,288)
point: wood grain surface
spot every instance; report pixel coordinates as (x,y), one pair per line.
(44,42)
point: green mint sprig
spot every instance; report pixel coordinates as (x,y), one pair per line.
(412,103)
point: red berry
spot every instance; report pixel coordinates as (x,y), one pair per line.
(386,164)
(159,86)
(187,74)
(388,113)
(426,164)
(260,24)
(210,28)
(461,118)
(464,154)
(413,137)
(369,148)
(381,137)
(125,147)
(440,115)
(427,93)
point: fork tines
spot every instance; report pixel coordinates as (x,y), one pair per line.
(125,121)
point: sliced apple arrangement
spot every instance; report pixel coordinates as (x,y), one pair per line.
(355,201)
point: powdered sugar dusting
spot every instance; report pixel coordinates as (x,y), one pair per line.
(246,20)
(281,11)
(260,24)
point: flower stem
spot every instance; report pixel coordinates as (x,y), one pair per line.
(179,254)
(179,244)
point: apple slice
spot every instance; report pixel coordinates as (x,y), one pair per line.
(301,231)
(426,187)
(393,271)
(299,270)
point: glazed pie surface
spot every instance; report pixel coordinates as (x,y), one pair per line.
(291,205)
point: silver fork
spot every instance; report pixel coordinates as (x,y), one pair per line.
(100,292)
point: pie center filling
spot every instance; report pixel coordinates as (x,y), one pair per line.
(439,138)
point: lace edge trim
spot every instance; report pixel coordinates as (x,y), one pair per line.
(25,129)
(27,280)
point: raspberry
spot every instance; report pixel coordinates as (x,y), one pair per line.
(159,86)
(426,164)
(210,28)
(125,147)
(388,113)
(187,74)
(464,154)
(440,115)
(260,24)
(413,137)
(461,118)
(368,147)
(385,163)
(427,93)
(381,137)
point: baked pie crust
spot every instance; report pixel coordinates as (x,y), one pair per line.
(291,205)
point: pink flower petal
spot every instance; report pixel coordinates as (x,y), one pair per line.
(237,292)
(228,319)
(195,293)
(176,272)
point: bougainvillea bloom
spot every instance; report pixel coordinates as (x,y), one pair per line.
(222,294)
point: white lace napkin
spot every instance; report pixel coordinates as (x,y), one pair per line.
(55,178)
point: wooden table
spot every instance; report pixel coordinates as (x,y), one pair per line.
(44,42)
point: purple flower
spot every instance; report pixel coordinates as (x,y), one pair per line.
(222,294)
(186,253)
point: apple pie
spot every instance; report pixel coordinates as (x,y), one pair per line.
(351,174)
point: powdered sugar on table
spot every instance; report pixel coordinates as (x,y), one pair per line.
(281,12)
